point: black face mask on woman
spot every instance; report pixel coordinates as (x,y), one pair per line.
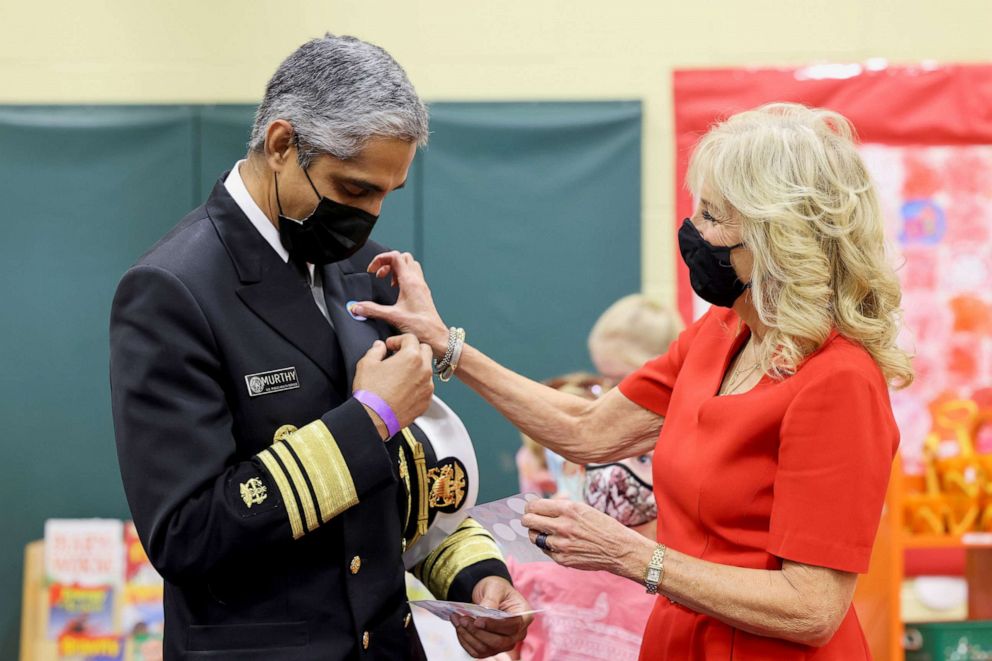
(711,274)
(331,233)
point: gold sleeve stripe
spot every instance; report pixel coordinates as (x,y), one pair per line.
(465,555)
(325,466)
(467,528)
(288,497)
(420,460)
(454,539)
(444,575)
(299,483)
(405,476)
(469,544)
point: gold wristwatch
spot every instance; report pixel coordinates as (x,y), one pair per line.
(656,569)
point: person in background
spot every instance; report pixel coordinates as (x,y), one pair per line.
(598,615)
(631,331)
(544,471)
(592,615)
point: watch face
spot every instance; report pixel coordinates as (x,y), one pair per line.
(654,574)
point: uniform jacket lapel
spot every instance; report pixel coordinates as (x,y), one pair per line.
(273,289)
(343,282)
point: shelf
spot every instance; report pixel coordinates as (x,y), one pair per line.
(971,540)
(877,597)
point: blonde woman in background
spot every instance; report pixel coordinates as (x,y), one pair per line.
(631,331)
(776,431)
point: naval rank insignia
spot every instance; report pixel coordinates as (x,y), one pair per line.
(448,485)
(266,383)
(253,492)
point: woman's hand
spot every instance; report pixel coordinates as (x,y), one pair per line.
(584,538)
(414,311)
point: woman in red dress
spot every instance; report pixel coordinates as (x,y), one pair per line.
(769,417)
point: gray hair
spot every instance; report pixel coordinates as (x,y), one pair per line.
(338,92)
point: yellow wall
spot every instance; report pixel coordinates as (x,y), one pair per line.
(148,51)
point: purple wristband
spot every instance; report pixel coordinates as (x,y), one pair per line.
(381,408)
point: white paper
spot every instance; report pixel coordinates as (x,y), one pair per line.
(447,609)
(502,519)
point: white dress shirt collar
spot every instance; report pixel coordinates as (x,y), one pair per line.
(235,185)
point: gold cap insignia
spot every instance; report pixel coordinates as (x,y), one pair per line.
(447,485)
(283,432)
(254,492)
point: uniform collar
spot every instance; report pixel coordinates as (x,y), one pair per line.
(235,186)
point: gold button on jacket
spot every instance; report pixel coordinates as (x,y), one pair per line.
(356,565)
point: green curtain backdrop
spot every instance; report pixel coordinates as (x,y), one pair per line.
(531,217)
(526,216)
(85,192)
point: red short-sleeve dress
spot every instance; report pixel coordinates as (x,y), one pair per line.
(793,469)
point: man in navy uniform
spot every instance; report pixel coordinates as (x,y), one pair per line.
(257,419)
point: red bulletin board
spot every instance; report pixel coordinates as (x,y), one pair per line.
(926,134)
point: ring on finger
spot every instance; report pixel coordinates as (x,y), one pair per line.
(541,541)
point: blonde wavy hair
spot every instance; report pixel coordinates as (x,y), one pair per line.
(812,222)
(633,330)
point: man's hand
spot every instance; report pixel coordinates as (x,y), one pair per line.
(404,380)
(482,637)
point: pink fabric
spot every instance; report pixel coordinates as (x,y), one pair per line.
(590,615)
(528,472)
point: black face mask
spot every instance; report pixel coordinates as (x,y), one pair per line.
(711,274)
(331,233)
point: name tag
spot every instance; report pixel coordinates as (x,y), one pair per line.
(266,383)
